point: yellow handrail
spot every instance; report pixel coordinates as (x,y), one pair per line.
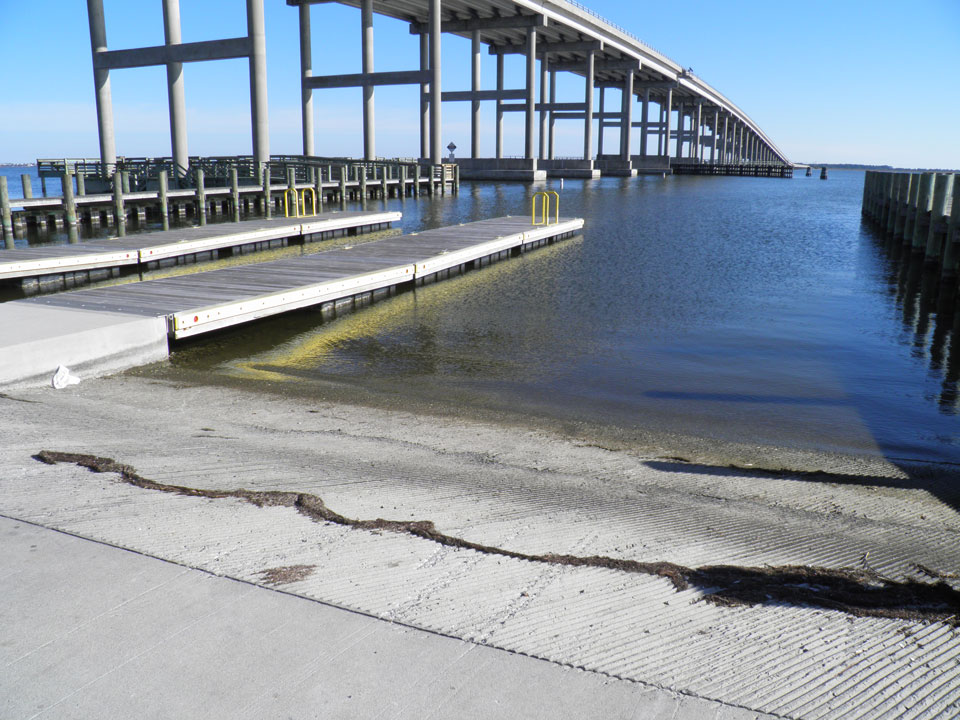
(313,199)
(296,202)
(544,207)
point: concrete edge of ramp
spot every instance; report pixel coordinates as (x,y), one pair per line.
(90,343)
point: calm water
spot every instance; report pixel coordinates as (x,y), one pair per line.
(744,310)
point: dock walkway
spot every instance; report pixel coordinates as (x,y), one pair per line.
(32,264)
(74,325)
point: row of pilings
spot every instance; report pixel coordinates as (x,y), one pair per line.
(915,217)
(920,212)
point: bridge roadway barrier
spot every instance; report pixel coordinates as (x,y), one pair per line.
(919,215)
(96,331)
(60,267)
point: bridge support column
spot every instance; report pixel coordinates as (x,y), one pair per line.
(306,71)
(366,43)
(725,147)
(499,105)
(436,152)
(475,86)
(713,140)
(588,99)
(696,152)
(258,83)
(644,122)
(681,123)
(101,81)
(175,99)
(424,97)
(553,119)
(667,108)
(544,99)
(531,88)
(626,118)
(602,110)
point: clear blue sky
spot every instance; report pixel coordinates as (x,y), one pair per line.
(872,81)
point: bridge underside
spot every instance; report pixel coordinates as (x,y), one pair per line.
(680,118)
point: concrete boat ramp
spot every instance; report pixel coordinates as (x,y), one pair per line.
(102,330)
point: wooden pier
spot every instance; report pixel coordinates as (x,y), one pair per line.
(58,267)
(138,190)
(777,170)
(126,325)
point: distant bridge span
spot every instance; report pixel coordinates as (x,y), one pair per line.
(681,119)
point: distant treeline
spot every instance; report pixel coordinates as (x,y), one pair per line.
(852,166)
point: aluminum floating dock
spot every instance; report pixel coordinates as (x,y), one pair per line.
(34,263)
(185,306)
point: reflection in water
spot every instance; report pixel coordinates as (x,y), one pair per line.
(749,311)
(931,324)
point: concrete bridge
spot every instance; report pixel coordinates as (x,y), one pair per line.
(683,122)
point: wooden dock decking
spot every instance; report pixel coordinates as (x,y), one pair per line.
(106,329)
(146,248)
(203,302)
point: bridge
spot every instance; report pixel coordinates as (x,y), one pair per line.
(684,124)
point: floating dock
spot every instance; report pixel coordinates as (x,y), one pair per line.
(100,330)
(57,267)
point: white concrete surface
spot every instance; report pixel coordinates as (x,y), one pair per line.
(522,490)
(36,339)
(92,631)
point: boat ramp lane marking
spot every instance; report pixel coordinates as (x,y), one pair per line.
(84,261)
(196,321)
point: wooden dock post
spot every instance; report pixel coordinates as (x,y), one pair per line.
(911,221)
(125,177)
(385,190)
(69,203)
(318,188)
(924,204)
(162,196)
(903,198)
(201,198)
(119,213)
(267,208)
(81,184)
(6,222)
(951,249)
(27,184)
(943,185)
(235,193)
(343,186)
(362,173)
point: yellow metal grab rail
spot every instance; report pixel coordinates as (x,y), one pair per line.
(545,205)
(296,202)
(300,202)
(313,200)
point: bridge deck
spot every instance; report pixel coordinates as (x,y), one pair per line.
(151,247)
(100,327)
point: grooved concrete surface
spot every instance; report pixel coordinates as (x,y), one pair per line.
(521,490)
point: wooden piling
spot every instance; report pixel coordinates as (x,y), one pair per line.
(69,203)
(951,249)
(924,204)
(235,194)
(5,218)
(27,184)
(125,178)
(343,184)
(81,184)
(118,211)
(911,221)
(267,208)
(943,185)
(318,187)
(903,198)
(201,198)
(162,195)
